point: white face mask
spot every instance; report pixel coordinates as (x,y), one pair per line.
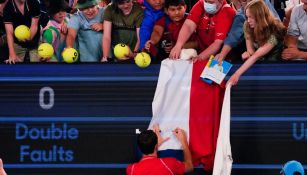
(210,8)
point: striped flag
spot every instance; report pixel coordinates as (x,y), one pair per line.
(183,100)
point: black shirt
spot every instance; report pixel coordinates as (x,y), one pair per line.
(11,14)
(4,53)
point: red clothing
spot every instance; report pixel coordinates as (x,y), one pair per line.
(206,100)
(211,27)
(205,110)
(172,27)
(151,165)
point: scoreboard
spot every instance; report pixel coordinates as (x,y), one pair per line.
(81,119)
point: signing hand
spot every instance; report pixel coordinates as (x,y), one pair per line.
(157,130)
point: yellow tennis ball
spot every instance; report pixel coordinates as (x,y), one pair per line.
(142,59)
(121,50)
(45,50)
(70,55)
(22,32)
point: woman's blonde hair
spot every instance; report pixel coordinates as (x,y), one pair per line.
(265,23)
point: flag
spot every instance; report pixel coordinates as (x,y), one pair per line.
(183,100)
(223,157)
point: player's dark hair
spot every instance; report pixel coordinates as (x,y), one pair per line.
(147,141)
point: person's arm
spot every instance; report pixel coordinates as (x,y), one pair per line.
(249,49)
(211,50)
(10,42)
(71,36)
(2,171)
(106,40)
(292,52)
(222,55)
(181,136)
(185,32)
(155,36)
(260,52)
(34,27)
(157,130)
(234,37)
(291,41)
(146,30)
(137,44)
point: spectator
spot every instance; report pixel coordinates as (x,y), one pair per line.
(235,37)
(86,26)
(290,4)
(56,30)
(212,20)
(122,21)
(211,29)
(148,142)
(153,12)
(263,30)
(13,17)
(168,27)
(296,39)
(104,3)
(3,43)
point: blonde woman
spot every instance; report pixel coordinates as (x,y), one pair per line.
(264,36)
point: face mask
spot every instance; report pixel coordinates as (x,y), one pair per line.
(210,8)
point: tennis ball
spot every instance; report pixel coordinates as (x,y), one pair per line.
(70,55)
(45,50)
(142,59)
(121,50)
(22,32)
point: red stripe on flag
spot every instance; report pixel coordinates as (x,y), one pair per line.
(205,111)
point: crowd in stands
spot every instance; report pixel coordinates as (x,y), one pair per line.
(277,30)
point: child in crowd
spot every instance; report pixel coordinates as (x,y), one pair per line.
(56,30)
(234,44)
(122,21)
(85,29)
(168,27)
(264,37)
(153,12)
(13,17)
